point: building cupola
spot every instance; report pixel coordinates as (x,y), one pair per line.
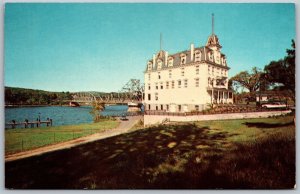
(213,41)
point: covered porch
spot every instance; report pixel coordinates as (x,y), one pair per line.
(220,95)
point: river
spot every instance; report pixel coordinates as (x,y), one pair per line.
(61,115)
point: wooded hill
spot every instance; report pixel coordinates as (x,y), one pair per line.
(24,96)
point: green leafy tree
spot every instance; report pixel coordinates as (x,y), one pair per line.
(281,73)
(249,80)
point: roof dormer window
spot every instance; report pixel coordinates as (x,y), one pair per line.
(159,64)
(149,66)
(170,61)
(182,59)
(210,56)
(197,55)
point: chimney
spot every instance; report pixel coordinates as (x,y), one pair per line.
(166,58)
(192,51)
(153,60)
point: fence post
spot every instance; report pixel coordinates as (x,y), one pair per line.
(22,145)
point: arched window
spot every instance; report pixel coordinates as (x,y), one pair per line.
(182,59)
(159,64)
(170,61)
(197,55)
(211,56)
(149,66)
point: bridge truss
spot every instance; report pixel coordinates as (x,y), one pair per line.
(132,91)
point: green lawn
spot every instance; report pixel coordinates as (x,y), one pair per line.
(17,140)
(244,154)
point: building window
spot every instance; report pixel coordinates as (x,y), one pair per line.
(161,86)
(161,107)
(149,96)
(197,70)
(149,107)
(182,59)
(208,69)
(179,83)
(211,56)
(197,56)
(197,107)
(149,87)
(167,107)
(149,76)
(179,108)
(230,94)
(156,96)
(170,61)
(173,84)
(182,71)
(170,73)
(156,86)
(159,64)
(149,66)
(197,82)
(158,75)
(156,107)
(167,85)
(186,83)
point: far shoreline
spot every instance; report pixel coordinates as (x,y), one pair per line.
(47,105)
(19,106)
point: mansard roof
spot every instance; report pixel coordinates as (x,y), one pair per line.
(176,58)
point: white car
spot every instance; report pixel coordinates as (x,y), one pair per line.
(274,105)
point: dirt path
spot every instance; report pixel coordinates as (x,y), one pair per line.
(123,127)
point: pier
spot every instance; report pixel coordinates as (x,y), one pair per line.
(31,124)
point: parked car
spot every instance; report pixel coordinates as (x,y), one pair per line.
(123,118)
(274,105)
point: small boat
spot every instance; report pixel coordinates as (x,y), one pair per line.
(132,104)
(133,107)
(74,104)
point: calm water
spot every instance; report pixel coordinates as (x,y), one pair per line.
(59,115)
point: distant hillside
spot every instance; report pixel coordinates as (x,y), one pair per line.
(24,96)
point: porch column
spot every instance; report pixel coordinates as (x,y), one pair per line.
(218,100)
(223,99)
(212,95)
(227,95)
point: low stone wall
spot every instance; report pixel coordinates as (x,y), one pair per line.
(157,119)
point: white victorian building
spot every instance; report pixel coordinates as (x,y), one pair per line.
(189,80)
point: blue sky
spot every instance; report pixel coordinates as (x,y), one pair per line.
(99,47)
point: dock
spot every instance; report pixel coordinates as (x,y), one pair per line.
(31,124)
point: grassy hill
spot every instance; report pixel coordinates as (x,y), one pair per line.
(250,153)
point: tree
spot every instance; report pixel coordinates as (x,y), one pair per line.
(96,108)
(250,81)
(281,73)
